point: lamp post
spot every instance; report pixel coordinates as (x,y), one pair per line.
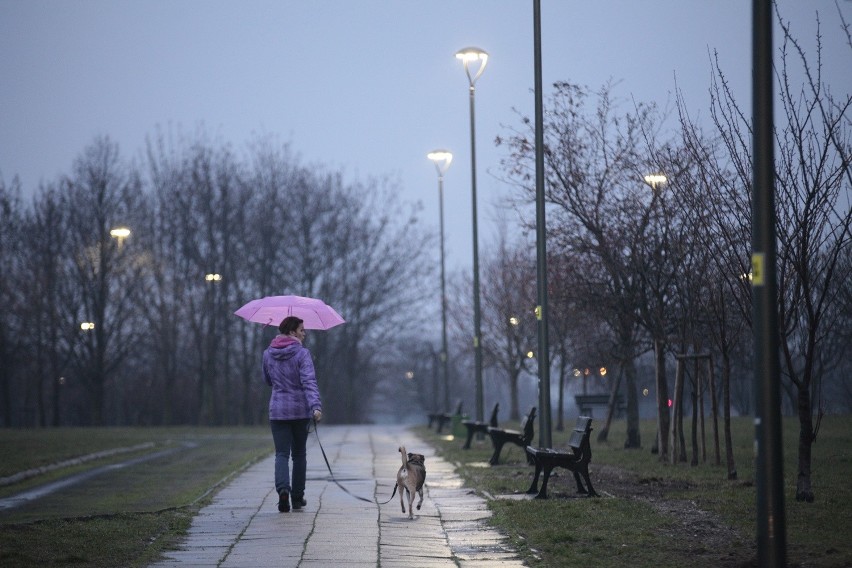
(768,447)
(541,310)
(663,419)
(442,160)
(469,56)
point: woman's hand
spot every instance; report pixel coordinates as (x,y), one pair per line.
(317,415)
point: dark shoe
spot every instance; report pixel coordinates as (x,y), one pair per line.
(299,501)
(284,502)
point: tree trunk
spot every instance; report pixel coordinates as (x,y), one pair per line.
(560,407)
(726,409)
(663,416)
(634,440)
(514,407)
(806,440)
(604,433)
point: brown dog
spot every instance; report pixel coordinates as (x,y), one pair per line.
(410,478)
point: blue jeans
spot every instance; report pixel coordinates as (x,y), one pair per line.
(290,438)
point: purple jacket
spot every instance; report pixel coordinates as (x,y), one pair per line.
(289,370)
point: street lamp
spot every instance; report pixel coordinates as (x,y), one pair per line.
(212,277)
(442,160)
(655,181)
(120,233)
(478,59)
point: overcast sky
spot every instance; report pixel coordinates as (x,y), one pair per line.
(363,86)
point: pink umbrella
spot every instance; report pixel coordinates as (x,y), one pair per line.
(272,309)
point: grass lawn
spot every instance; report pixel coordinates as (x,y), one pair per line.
(122,518)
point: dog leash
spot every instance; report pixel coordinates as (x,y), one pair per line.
(328,465)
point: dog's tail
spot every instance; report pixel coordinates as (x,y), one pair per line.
(404,456)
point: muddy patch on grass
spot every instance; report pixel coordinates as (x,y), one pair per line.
(695,534)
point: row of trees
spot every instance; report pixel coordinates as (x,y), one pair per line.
(209,231)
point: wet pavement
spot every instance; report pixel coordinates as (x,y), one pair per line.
(243,528)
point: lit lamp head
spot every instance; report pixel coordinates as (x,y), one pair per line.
(120,232)
(442,160)
(655,180)
(470,56)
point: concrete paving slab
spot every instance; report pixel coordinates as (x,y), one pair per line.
(243,528)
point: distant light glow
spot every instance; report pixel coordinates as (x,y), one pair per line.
(514,321)
(87,326)
(603,371)
(409,375)
(644,392)
(530,355)
(577,372)
(213,277)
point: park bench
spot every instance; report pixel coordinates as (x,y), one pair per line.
(500,436)
(576,460)
(586,403)
(443,418)
(474,426)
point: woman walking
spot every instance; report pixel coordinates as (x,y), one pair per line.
(289,369)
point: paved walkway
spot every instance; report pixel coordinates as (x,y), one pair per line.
(243,528)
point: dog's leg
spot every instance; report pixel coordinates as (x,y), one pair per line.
(411,504)
(402,491)
(420,492)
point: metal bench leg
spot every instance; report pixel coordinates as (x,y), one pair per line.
(585,472)
(495,457)
(580,488)
(470,430)
(547,471)
(533,490)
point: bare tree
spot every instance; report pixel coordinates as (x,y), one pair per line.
(102,194)
(12,316)
(508,314)
(594,161)
(812,182)
(374,266)
(52,333)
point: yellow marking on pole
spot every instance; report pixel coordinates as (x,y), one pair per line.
(538,313)
(757,269)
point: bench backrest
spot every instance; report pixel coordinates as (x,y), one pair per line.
(582,429)
(529,430)
(493,421)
